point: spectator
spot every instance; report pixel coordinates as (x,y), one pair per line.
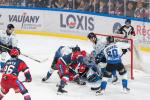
(70,4)
(130,9)
(30,3)
(140,11)
(90,5)
(41,3)
(119,10)
(103,6)
(61,4)
(83,5)
(4,3)
(111,6)
(17,2)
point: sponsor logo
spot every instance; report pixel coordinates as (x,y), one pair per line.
(78,22)
(26,21)
(143,31)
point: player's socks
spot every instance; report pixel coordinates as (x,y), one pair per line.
(27,97)
(125,86)
(47,76)
(124,83)
(102,89)
(61,86)
(1,96)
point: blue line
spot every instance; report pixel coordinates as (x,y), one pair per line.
(77,11)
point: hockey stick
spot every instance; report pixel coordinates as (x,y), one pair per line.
(39,61)
(95,88)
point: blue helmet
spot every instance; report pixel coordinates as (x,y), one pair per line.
(128,21)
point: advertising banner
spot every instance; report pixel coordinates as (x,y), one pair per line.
(23,19)
(70,23)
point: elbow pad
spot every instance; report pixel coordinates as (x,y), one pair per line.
(28,76)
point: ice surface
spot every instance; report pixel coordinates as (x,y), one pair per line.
(44,47)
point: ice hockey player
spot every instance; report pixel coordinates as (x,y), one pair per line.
(7,40)
(113,54)
(89,71)
(61,51)
(100,60)
(127,30)
(64,68)
(9,80)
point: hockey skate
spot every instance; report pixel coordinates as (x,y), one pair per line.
(100,92)
(80,82)
(61,91)
(115,80)
(44,79)
(126,90)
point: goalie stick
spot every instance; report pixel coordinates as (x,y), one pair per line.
(39,61)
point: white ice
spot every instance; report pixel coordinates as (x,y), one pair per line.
(44,47)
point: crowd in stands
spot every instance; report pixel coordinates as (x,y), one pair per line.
(130,8)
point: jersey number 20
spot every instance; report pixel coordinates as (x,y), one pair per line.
(113,53)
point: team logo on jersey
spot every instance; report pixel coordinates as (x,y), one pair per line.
(116,27)
(79,22)
(25,20)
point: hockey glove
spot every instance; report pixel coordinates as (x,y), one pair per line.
(124,51)
(28,76)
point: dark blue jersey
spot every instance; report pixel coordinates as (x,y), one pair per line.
(67,59)
(14,66)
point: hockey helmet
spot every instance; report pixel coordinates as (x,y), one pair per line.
(91,35)
(83,52)
(110,39)
(82,68)
(128,21)
(76,48)
(15,52)
(10,26)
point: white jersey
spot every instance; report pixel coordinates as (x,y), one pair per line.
(99,46)
(113,52)
(65,50)
(8,40)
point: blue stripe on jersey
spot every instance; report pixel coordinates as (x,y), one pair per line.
(67,58)
(20,85)
(114,61)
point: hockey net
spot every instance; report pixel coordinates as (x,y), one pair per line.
(128,58)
